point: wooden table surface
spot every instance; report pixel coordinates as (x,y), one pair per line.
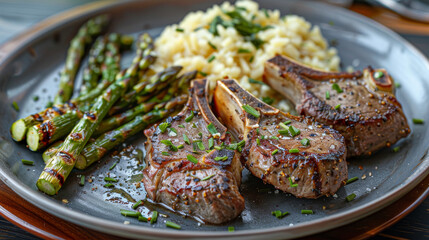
(18,15)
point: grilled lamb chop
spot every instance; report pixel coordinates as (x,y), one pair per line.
(292,153)
(183,174)
(361,106)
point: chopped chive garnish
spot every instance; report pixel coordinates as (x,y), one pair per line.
(257,131)
(231,229)
(180,146)
(353,179)
(262,137)
(251,80)
(418,121)
(200,134)
(232,146)
(397,85)
(154,217)
(396,149)
(109,179)
(266,13)
(108,185)
(165,153)
(211,58)
(207,178)
(15,106)
(223,158)
(287,122)
(243,50)
(186,139)
(250,110)
(137,204)
(294,150)
(200,145)
(328,95)
(128,213)
(49,104)
(274,137)
(172,225)
(305,142)
(36,98)
(163,126)
(378,74)
(172,129)
(241,143)
(113,166)
(283,125)
(180,30)
(350,197)
(267,100)
(192,159)
(217,147)
(27,162)
(291,183)
(203,74)
(294,131)
(307,211)
(337,88)
(190,117)
(337,107)
(181,126)
(82,180)
(283,132)
(251,59)
(258,142)
(142,219)
(194,125)
(274,152)
(278,214)
(211,143)
(212,129)
(169,144)
(212,46)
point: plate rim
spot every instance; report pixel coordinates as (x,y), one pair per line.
(18,44)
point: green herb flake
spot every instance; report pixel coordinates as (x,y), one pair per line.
(194,125)
(186,139)
(378,74)
(294,150)
(396,149)
(154,217)
(113,166)
(211,58)
(337,107)
(337,88)
(172,225)
(211,143)
(212,129)
(27,162)
(190,117)
(181,126)
(251,80)
(223,158)
(192,159)
(108,185)
(243,50)
(304,211)
(231,229)
(250,110)
(350,197)
(203,74)
(180,146)
(82,180)
(137,204)
(291,183)
(165,153)
(328,95)
(208,177)
(200,145)
(418,121)
(294,131)
(274,137)
(143,219)
(251,59)
(287,122)
(267,100)
(279,214)
(212,45)
(266,13)
(109,179)
(128,213)
(283,132)
(305,142)
(15,106)
(36,98)
(274,152)
(353,179)
(180,30)
(163,126)
(258,142)
(49,104)
(397,85)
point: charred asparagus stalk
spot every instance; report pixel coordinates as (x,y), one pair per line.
(92,71)
(60,165)
(84,37)
(96,150)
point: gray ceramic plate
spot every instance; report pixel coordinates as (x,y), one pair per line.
(29,66)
